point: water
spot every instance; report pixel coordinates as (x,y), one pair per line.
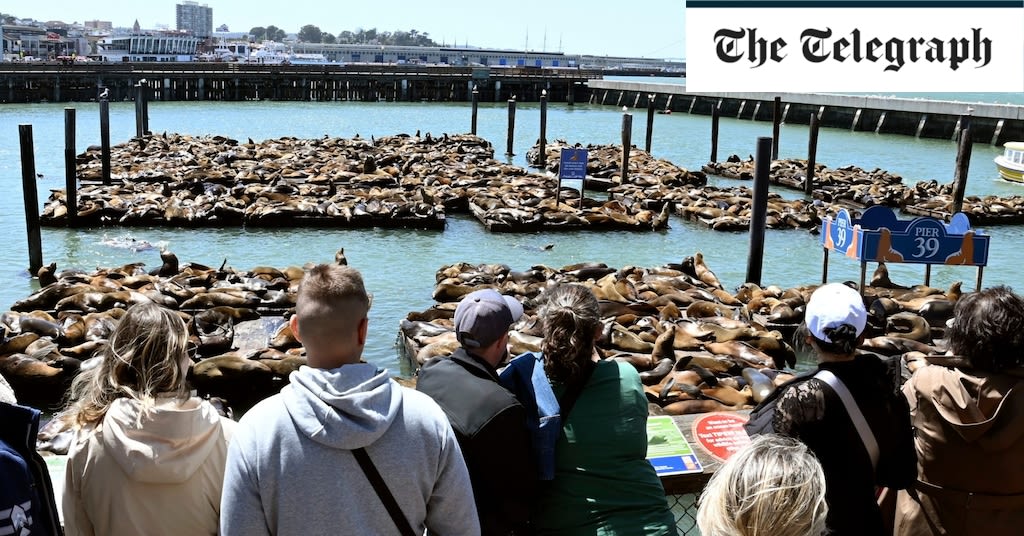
(399,265)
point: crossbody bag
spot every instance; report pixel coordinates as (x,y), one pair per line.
(404,528)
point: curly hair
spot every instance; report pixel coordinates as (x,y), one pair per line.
(570,316)
(988,328)
(145,356)
(773,486)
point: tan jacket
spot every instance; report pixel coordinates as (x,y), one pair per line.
(969,439)
(158,473)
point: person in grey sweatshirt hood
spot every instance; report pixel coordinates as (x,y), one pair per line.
(291,468)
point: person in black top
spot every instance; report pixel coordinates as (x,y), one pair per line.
(488,421)
(812,412)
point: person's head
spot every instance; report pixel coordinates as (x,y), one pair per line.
(772,487)
(835,318)
(988,329)
(571,318)
(331,315)
(482,320)
(146,356)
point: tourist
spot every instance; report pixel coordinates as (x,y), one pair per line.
(27,504)
(602,482)
(148,458)
(814,412)
(773,486)
(968,413)
(296,464)
(489,422)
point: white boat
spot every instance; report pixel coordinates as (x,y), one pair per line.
(1011,162)
(275,54)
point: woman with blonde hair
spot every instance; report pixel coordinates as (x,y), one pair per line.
(148,458)
(772,487)
(600,481)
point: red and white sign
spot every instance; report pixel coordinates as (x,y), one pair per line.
(720,434)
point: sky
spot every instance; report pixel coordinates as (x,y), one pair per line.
(595,27)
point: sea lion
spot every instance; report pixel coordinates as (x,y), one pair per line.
(664,346)
(688,407)
(760,384)
(47,274)
(170,263)
(657,373)
(743,352)
(339,257)
(909,326)
(702,309)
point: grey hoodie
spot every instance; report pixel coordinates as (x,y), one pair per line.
(290,468)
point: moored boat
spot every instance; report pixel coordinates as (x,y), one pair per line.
(1011,162)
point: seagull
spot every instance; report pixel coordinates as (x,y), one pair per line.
(105,92)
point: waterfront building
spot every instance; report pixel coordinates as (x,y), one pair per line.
(33,43)
(471,56)
(194,19)
(170,46)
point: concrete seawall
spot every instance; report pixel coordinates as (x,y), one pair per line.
(990,123)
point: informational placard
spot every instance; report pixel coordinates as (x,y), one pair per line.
(720,434)
(667,450)
(573,164)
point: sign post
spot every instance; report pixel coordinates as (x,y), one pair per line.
(571,166)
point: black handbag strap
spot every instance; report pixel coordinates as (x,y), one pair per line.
(573,392)
(383,492)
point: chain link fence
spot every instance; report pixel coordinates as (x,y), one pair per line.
(684,509)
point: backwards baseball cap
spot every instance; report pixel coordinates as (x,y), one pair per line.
(833,305)
(483,316)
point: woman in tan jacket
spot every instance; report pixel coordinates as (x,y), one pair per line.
(968,412)
(148,458)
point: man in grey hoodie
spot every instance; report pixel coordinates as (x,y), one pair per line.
(291,469)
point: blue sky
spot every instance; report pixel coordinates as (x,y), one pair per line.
(653,28)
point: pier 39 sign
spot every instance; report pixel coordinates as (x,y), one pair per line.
(855,45)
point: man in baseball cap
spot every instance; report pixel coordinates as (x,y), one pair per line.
(489,422)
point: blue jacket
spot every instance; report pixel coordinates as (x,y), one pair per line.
(524,377)
(27,504)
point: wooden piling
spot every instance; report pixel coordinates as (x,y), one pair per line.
(759,210)
(714,133)
(511,125)
(776,123)
(543,128)
(650,121)
(139,132)
(70,176)
(105,139)
(145,106)
(28,185)
(627,144)
(812,153)
(963,162)
(476,103)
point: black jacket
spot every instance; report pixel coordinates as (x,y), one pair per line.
(813,413)
(26,493)
(490,425)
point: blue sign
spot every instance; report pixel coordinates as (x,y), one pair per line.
(573,164)
(676,465)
